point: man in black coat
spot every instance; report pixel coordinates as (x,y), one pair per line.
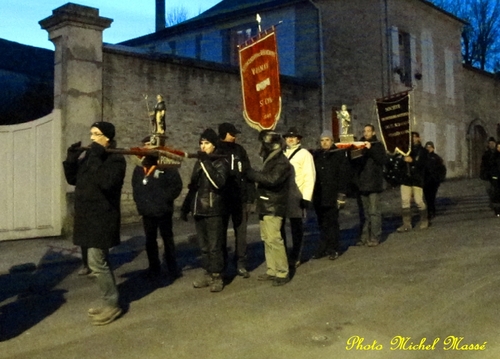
(239,194)
(495,181)
(370,179)
(154,191)
(332,171)
(98,178)
(273,183)
(435,173)
(413,184)
(487,166)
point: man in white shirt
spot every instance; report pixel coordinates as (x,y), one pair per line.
(300,196)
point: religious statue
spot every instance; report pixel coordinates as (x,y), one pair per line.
(158,115)
(345,119)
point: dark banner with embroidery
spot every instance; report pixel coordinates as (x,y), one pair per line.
(260,81)
(394,122)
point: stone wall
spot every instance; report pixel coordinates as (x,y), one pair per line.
(197,95)
(482,99)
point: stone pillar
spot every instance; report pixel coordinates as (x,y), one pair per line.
(76,32)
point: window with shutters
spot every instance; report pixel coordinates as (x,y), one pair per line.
(403,56)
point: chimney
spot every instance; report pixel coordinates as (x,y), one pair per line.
(160,15)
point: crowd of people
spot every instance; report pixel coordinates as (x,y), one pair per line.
(224,187)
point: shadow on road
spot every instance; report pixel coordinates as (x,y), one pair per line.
(30,292)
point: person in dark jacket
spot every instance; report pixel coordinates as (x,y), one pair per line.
(239,194)
(370,179)
(98,180)
(205,200)
(273,183)
(332,172)
(413,184)
(495,181)
(487,165)
(435,173)
(488,159)
(154,191)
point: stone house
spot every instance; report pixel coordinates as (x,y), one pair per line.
(356,51)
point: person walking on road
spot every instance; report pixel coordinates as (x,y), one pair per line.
(154,192)
(332,170)
(495,181)
(272,190)
(205,200)
(98,180)
(413,184)
(239,194)
(487,166)
(435,173)
(370,178)
(301,200)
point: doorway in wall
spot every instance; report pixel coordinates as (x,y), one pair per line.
(477,145)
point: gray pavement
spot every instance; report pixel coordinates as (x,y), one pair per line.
(424,294)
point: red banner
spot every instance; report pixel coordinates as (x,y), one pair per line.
(260,81)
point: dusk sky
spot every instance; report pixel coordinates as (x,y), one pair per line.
(132,18)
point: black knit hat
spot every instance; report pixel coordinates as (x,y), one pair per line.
(107,129)
(210,136)
(225,128)
(492,139)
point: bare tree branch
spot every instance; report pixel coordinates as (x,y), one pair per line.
(176,15)
(480,38)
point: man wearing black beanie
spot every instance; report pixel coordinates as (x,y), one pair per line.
(98,179)
(205,201)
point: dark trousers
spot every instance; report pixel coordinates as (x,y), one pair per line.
(239,216)
(329,237)
(430,191)
(209,231)
(151,226)
(495,195)
(85,256)
(297,229)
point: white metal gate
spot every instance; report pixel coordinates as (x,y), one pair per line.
(30,179)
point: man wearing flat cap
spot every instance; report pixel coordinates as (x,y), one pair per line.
(300,196)
(329,194)
(238,196)
(98,179)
